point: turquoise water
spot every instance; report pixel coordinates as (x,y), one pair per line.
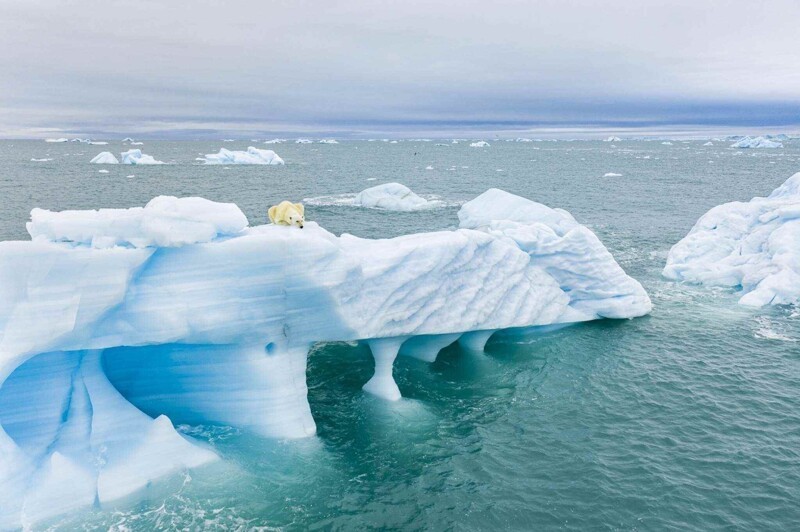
(687,418)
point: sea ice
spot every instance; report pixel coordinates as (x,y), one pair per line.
(612,139)
(480,144)
(251,156)
(612,174)
(753,245)
(62,139)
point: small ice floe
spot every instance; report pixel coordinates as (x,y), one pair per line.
(40,160)
(612,139)
(102,171)
(98,143)
(709,143)
(62,139)
(275,141)
(480,144)
(429,168)
(328,141)
(666,143)
(392,197)
(127,139)
(304,141)
(612,174)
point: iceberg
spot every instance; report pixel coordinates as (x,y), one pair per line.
(105,157)
(329,141)
(304,141)
(62,139)
(117,325)
(136,156)
(392,197)
(612,139)
(752,245)
(251,156)
(709,143)
(612,174)
(756,142)
(480,144)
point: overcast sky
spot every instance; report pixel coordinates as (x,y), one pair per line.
(171,68)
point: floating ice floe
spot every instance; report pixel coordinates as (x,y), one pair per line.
(44,160)
(612,139)
(304,141)
(480,144)
(753,245)
(251,156)
(329,141)
(709,143)
(275,141)
(136,156)
(666,143)
(62,139)
(102,171)
(392,197)
(100,322)
(756,142)
(104,157)
(612,174)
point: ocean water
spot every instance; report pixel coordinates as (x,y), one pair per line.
(686,419)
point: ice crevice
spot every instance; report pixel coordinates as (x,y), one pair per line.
(117,324)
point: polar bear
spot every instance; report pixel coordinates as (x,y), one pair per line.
(287,213)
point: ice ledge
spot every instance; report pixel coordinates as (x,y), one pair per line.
(133,320)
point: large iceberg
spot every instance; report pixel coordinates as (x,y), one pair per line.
(756,142)
(118,324)
(251,156)
(392,197)
(754,245)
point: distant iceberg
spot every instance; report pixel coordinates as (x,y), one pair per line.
(104,157)
(251,156)
(709,143)
(136,156)
(756,142)
(274,141)
(62,139)
(127,139)
(329,141)
(101,323)
(754,245)
(666,143)
(612,139)
(779,137)
(392,197)
(612,174)
(480,144)
(304,141)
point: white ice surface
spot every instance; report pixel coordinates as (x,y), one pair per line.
(754,245)
(108,338)
(480,144)
(165,221)
(251,156)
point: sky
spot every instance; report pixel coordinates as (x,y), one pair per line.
(176,69)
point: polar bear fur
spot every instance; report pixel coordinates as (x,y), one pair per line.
(287,213)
